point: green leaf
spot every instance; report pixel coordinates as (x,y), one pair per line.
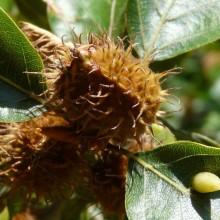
(161,190)
(19,87)
(75,208)
(84,15)
(15,204)
(6,5)
(35,11)
(184,135)
(162,135)
(169,28)
(4,215)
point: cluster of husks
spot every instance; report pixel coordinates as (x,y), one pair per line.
(36,163)
(100,94)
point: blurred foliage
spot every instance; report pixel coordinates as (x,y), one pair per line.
(197,88)
(35,11)
(31,11)
(85,15)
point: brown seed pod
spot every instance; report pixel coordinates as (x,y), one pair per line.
(106,93)
(44,41)
(33,163)
(107,183)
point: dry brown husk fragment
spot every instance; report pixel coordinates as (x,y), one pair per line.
(44,41)
(108,182)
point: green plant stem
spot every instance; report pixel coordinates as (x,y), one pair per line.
(192,136)
(150,167)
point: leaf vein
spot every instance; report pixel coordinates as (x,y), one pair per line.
(157,31)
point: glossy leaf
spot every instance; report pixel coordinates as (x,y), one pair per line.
(19,87)
(83,16)
(169,28)
(149,195)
